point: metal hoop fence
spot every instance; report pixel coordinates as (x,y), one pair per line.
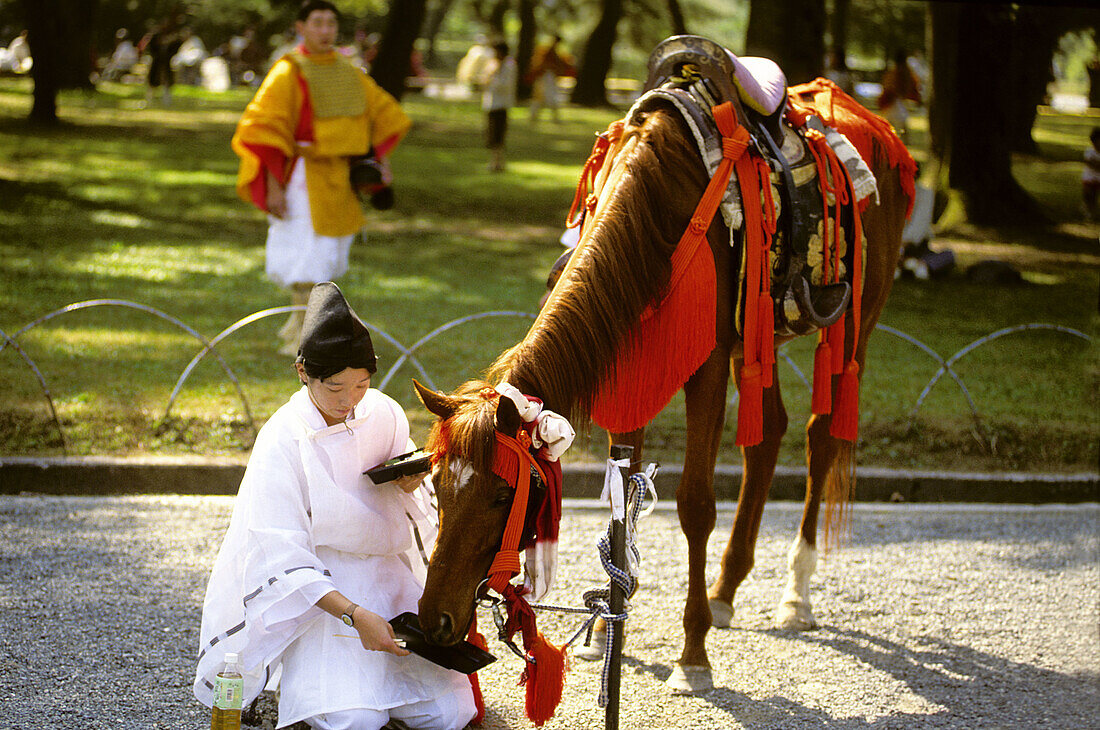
(407,354)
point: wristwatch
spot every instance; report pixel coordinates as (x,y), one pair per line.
(346,616)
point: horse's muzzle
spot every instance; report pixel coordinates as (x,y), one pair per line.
(442,634)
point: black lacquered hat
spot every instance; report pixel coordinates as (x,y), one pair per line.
(333,336)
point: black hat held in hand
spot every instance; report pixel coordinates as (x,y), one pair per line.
(333,336)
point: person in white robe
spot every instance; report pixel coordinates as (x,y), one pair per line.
(317,557)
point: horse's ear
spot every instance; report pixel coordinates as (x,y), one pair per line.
(436,402)
(508,420)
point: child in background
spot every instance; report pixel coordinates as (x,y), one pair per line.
(498,97)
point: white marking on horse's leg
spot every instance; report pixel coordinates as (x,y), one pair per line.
(721,613)
(687,680)
(794,608)
(594,650)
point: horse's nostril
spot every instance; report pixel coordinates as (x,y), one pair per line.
(444,632)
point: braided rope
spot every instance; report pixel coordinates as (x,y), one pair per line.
(597,600)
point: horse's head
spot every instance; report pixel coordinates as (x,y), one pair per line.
(474,503)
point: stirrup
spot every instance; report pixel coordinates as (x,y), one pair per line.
(807,308)
(825,304)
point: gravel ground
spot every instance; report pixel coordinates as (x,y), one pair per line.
(962,616)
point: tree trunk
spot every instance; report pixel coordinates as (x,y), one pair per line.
(431,30)
(391,65)
(791,33)
(838,27)
(59,33)
(525,47)
(591,88)
(676,15)
(969,111)
(496,16)
(1034,41)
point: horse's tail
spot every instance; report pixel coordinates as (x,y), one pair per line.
(840,485)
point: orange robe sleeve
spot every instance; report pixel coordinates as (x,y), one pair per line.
(264,139)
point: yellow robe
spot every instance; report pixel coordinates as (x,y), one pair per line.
(271,119)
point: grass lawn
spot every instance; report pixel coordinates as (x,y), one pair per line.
(137,204)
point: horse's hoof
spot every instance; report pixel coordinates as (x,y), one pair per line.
(595,650)
(795,617)
(721,613)
(687,679)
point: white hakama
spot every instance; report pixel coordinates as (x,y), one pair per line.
(296,254)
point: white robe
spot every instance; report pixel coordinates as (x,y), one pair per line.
(295,253)
(306,522)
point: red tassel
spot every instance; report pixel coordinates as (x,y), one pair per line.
(836,344)
(544,680)
(766,313)
(750,409)
(475,684)
(845,423)
(822,401)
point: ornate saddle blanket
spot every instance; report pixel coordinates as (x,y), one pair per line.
(695,74)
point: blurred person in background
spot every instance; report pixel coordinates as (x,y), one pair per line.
(313,112)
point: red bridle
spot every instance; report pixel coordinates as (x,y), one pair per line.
(512,462)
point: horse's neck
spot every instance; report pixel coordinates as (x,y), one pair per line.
(545,365)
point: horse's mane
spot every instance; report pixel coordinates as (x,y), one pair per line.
(618,269)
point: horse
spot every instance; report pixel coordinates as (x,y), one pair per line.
(622,265)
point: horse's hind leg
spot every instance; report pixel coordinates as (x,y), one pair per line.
(759,467)
(829,464)
(829,459)
(822,452)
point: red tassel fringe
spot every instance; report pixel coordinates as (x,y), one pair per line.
(750,408)
(663,351)
(822,401)
(766,313)
(845,423)
(544,680)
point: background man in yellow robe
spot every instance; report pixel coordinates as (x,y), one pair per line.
(314,111)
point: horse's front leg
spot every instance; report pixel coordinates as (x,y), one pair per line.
(705,400)
(756,478)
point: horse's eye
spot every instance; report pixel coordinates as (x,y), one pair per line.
(503,497)
(638,119)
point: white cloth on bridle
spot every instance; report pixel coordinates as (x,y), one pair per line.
(552,436)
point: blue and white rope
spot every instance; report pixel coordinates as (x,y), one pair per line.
(597,600)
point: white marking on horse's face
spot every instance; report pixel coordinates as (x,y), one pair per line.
(463,472)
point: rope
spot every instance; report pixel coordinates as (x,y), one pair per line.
(597,600)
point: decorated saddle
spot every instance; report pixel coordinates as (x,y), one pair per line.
(813,201)
(788,174)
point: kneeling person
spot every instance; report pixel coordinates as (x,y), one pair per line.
(317,557)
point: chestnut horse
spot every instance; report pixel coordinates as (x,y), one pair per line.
(621,266)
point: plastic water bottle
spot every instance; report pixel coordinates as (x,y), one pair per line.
(228,696)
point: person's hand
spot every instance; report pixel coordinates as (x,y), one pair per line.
(375,632)
(409,483)
(276,201)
